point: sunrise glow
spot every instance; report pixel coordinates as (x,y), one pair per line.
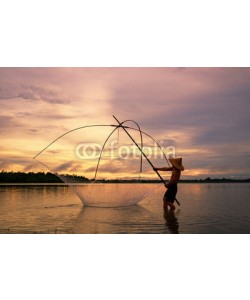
(202,112)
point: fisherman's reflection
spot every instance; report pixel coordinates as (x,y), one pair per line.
(171,220)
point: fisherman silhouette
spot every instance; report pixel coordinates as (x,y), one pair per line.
(172,188)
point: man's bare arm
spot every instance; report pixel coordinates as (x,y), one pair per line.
(163,169)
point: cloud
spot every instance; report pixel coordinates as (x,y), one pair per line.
(76,168)
(4,165)
(31,92)
(63,167)
(203,112)
(110,167)
(30,167)
(4,120)
(68,167)
(19,163)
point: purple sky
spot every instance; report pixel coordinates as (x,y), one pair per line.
(203,112)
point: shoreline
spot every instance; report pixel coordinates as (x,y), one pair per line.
(85,183)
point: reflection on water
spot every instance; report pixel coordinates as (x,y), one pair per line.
(197,190)
(205,208)
(37,209)
(130,219)
(171,220)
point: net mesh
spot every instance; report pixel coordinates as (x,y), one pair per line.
(112,194)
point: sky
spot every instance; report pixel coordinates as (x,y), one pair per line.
(203,112)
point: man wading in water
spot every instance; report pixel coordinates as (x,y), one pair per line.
(171,192)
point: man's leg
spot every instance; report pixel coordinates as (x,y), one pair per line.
(171,205)
(167,203)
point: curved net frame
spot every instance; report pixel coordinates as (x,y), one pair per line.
(101,164)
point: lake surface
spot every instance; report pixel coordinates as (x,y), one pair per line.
(205,208)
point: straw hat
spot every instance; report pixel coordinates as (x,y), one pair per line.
(177,163)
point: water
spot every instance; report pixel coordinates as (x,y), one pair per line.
(205,208)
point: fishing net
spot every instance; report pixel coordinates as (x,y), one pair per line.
(112,194)
(101,164)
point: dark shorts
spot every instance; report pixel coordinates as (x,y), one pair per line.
(171,193)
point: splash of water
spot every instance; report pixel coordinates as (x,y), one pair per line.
(112,195)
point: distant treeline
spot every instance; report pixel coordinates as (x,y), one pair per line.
(41,177)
